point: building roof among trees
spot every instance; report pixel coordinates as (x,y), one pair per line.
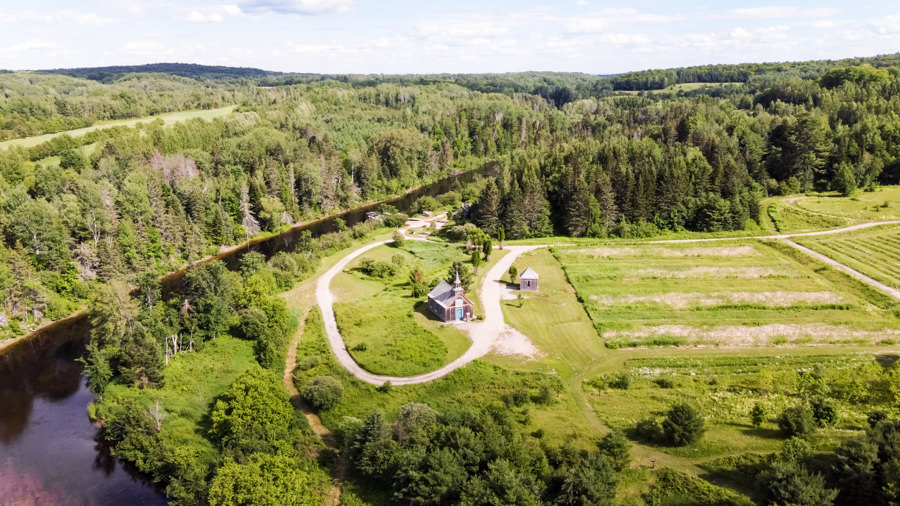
(528,274)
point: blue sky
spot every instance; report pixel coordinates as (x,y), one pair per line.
(367,36)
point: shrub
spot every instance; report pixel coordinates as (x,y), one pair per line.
(615,447)
(683,425)
(824,413)
(398,260)
(513,274)
(619,381)
(398,238)
(323,392)
(360,347)
(545,395)
(377,269)
(797,421)
(757,415)
(649,430)
(395,220)
(795,450)
(787,483)
(664,383)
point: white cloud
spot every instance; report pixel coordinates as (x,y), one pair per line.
(207,17)
(57,18)
(777,12)
(305,7)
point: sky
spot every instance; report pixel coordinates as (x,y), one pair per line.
(399,36)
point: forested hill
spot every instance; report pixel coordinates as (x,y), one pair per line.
(740,73)
(574,159)
(200,72)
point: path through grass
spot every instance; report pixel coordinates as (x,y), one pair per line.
(168,119)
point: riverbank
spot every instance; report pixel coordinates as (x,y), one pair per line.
(271,243)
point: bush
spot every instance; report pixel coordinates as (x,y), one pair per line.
(787,483)
(323,392)
(395,220)
(683,425)
(377,269)
(398,238)
(620,381)
(795,450)
(664,383)
(649,430)
(513,274)
(757,415)
(824,413)
(616,447)
(797,421)
(674,487)
(360,347)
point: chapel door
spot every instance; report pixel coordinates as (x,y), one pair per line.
(459,313)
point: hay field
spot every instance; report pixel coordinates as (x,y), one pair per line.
(874,252)
(736,295)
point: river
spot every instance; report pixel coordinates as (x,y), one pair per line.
(50,453)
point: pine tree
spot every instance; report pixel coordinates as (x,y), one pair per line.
(487,210)
(514,224)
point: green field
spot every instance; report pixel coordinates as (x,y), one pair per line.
(874,252)
(168,119)
(731,294)
(881,204)
(388,331)
(192,383)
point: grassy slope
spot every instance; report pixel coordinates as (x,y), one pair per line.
(168,119)
(881,204)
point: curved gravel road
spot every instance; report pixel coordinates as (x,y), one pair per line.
(484,333)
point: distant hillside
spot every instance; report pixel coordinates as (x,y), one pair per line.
(201,72)
(657,79)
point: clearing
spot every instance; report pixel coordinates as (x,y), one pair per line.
(734,295)
(168,119)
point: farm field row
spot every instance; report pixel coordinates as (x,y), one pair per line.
(727,295)
(873,252)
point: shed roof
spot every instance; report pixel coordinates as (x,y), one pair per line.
(528,274)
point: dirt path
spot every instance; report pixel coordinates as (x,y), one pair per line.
(333,497)
(893,292)
(779,236)
(484,334)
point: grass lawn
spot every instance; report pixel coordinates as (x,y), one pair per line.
(881,204)
(875,252)
(730,294)
(478,384)
(784,216)
(387,330)
(192,383)
(168,119)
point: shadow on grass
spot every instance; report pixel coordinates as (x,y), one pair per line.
(761,432)
(422,308)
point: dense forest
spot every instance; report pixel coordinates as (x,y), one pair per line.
(121,202)
(95,220)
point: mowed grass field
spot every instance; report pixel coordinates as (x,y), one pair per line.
(168,119)
(386,330)
(730,294)
(881,204)
(874,252)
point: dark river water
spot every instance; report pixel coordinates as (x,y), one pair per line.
(50,453)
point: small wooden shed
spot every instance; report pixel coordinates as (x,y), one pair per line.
(528,280)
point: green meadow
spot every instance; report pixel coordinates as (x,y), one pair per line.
(740,294)
(874,252)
